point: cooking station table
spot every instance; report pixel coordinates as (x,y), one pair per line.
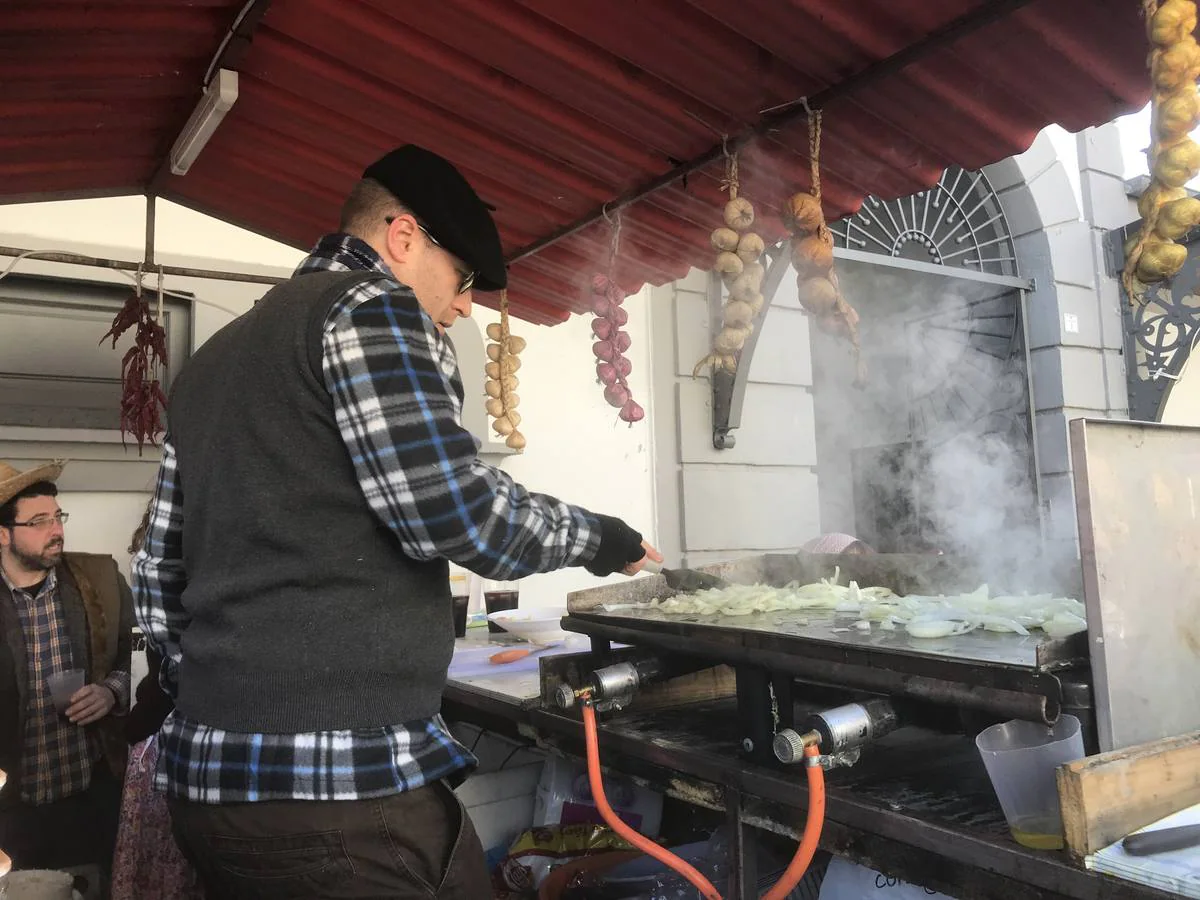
(918,806)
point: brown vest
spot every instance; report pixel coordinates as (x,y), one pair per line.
(98,612)
(109,631)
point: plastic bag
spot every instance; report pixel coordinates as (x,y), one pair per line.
(564,796)
(646,879)
(536,852)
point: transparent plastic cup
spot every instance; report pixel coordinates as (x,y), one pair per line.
(1021,759)
(499,596)
(63,686)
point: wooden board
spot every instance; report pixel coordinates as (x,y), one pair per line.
(1106,797)
(705,685)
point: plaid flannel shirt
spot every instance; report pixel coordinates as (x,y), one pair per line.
(398,402)
(57,757)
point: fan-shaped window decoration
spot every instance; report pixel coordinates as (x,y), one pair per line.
(958,222)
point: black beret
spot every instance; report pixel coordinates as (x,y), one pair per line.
(446,204)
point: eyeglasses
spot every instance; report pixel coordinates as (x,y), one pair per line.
(41,523)
(468,278)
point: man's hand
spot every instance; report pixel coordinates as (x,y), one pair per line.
(651,553)
(621,550)
(90,703)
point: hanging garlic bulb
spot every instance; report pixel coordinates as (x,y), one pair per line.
(737,262)
(501,385)
(1152,256)
(812,256)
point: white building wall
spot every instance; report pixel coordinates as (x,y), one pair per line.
(576,448)
(761,495)
(1075,326)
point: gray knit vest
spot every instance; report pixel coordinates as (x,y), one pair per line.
(305,613)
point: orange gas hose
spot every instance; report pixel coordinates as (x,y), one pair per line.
(791,876)
(663,855)
(813,824)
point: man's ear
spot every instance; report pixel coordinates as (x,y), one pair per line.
(401,235)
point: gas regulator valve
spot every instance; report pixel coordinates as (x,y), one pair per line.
(612,687)
(841,733)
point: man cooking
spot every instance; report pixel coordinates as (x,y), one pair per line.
(314,483)
(64,755)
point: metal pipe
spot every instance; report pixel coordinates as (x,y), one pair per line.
(100,262)
(985,14)
(151,204)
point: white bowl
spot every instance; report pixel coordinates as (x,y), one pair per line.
(538,626)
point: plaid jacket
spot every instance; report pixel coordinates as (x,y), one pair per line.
(397,398)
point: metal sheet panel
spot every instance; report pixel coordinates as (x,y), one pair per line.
(1137,489)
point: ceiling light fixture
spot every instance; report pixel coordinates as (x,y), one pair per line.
(219,97)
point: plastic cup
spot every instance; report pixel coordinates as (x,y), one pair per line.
(63,686)
(499,596)
(1021,759)
(460,615)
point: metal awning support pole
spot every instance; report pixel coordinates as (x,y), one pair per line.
(150,207)
(99,262)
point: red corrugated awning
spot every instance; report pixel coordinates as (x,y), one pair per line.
(553,108)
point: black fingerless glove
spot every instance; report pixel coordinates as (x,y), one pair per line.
(620,545)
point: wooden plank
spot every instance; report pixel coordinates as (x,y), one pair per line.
(1106,797)
(707,684)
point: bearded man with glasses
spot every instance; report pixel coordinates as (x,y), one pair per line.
(59,612)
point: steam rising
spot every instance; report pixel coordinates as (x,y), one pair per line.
(934,454)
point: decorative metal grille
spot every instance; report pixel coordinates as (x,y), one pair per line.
(958,222)
(1161,334)
(968,371)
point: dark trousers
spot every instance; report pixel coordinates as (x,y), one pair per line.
(416,844)
(80,830)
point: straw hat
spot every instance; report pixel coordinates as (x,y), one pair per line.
(13,482)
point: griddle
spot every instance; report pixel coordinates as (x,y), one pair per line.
(1003,674)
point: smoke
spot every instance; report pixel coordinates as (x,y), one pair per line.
(981,504)
(934,455)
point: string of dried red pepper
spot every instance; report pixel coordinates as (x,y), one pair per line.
(142,399)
